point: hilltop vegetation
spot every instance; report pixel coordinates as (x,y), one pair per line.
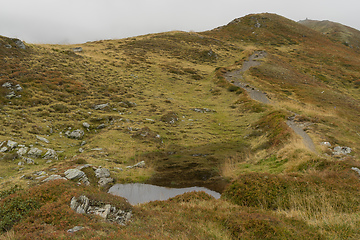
(164,99)
(337,32)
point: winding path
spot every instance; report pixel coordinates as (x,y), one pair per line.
(237,78)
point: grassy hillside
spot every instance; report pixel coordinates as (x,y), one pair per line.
(337,32)
(163,99)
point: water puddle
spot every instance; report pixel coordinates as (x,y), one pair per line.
(137,193)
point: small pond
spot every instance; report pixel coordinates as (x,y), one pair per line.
(137,193)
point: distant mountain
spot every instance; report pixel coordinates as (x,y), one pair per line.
(338,32)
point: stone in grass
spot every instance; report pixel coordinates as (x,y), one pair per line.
(54,177)
(80,205)
(12,144)
(74,174)
(102,173)
(42,139)
(51,154)
(101,106)
(76,134)
(34,152)
(104,181)
(22,151)
(75,229)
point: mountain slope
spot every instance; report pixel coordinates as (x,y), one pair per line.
(338,32)
(166,99)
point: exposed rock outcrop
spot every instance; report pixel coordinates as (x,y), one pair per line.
(83,205)
(34,152)
(76,134)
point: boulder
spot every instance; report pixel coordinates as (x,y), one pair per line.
(22,151)
(104,181)
(101,126)
(103,212)
(80,205)
(74,174)
(75,229)
(19,43)
(77,49)
(84,205)
(102,173)
(76,134)
(3,149)
(12,144)
(51,154)
(34,152)
(10,95)
(327,144)
(28,160)
(138,165)
(42,139)
(18,88)
(101,106)
(341,150)
(53,177)
(86,125)
(7,85)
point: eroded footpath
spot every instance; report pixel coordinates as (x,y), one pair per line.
(237,78)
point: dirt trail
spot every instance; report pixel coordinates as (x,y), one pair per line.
(237,78)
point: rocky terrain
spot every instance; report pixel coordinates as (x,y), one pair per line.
(263,110)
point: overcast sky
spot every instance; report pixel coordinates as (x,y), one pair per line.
(78,21)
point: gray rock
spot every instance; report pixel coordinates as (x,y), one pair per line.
(11,95)
(101,106)
(85,180)
(326,144)
(96,149)
(42,139)
(22,151)
(81,150)
(341,150)
(84,205)
(74,174)
(83,143)
(76,134)
(12,144)
(51,154)
(18,88)
(53,177)
(77,49)
(19,44)
(80,205)
(138,165)
(86,125)
(28,160)
(3,149)
(102,173)
(40,173)
(8,46)
(34,152)
(75,229)
(7,85)
(104,181)
(101,126)
(104,212)
(84,166)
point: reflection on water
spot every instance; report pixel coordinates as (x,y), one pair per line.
(140,193)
